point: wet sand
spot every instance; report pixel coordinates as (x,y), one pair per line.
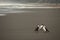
(20,26)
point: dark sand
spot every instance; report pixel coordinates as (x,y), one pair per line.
(20,26)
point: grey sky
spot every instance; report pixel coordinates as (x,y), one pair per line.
(29,1)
